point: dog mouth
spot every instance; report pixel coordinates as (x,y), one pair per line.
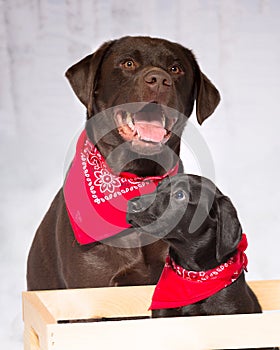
(150,125)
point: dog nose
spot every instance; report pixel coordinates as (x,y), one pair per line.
(135,205)
(157,79)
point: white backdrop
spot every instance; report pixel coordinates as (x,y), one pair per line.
(237,46)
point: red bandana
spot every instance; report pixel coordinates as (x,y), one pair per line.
(96,199)
(179,287)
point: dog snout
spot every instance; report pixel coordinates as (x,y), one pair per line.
(157,79)
(139,204)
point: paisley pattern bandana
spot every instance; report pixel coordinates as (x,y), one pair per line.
(96,199)
(178,287)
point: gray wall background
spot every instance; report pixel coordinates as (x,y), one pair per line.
(237,46)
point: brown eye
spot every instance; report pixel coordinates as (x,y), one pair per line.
(129,64)
(176,69)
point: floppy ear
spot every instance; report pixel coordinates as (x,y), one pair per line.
(82,76)
(207,98)
(229,230)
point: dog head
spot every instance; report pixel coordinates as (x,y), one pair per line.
(147,85)
(197,221)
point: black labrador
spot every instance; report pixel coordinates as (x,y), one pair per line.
(161,80)
(202,229)
(206,245)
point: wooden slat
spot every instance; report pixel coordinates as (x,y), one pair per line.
(128,301)
(98,302)
(33,303)
(30,338)
(268,293)
(202,332)
(36,317)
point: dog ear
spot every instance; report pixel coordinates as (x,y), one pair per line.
(82,76)
(207,99)
(229,230)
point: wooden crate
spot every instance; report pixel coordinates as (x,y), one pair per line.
(46,317)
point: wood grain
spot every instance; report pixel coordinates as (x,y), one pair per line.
(43,309)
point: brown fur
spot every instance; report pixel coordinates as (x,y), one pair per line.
(103,80)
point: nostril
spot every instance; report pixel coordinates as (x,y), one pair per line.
(166,82)
(151,79)
(135,205)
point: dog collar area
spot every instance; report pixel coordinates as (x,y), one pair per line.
(179,287)
(96,199)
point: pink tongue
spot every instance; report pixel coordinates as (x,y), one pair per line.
(150,132)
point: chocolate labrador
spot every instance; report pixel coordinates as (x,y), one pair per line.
(138,93)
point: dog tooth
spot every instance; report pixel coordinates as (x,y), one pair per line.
(128,117)
(123,114)
(129,120)
(163,119)
(131,125)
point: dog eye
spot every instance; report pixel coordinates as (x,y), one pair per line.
(176,69)
(128,64)
(180,195)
